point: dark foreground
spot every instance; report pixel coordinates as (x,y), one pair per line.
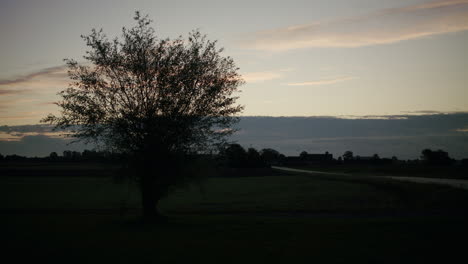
(282,218)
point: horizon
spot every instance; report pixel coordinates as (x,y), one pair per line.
(401,137)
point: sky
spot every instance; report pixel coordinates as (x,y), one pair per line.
(334,58)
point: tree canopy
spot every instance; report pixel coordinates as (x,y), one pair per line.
(141,92)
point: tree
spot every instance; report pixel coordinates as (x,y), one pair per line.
(270,156)
(53,156)
(155,100)
(437,157)
(253,158)
(235,156)
(348,155)
(67,154)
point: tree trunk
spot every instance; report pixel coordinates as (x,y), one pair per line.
(152,171)
(150,198)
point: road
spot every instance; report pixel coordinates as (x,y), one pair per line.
(450,182)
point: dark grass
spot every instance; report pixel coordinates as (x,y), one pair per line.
(281,218)
(57,169)
(233,239)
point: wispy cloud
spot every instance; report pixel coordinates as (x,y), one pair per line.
(43,80)
(17,133)
(39,87)
(432,112)
(323,81)
(11,91)
(381,27)
(51,72)
(254,77)
(6,104)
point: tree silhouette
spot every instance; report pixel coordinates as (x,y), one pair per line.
(437,157)
(53,156)
(156,100)
(235,156)
(254,159)
(270,156)
(348,155)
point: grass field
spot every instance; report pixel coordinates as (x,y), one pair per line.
(283,218)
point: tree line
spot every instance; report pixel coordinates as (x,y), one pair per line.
(69,155)
(236,156)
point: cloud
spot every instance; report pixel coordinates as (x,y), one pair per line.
(432,112)
(323,81)
(39,81)
(17,133)
(404,137)
(40,86)
(4,104)
(424,112)
(39,145)
(51,72)
(381,27)
(26,128)
(254,77)
(11,91)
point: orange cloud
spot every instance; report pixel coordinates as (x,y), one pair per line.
(323,82)
(254,77)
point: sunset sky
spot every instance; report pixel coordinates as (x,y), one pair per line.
(341,58)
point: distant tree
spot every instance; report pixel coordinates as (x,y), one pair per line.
(156,100)
(376,157)
(426,154)
(464,163)
(348,155)
(281,158)
(270,156)
(438,157)
(67,154)
(234,156)
(14,157)
(53,156)
(303,155)
(1,157)
(76,155)
(253,158)
(89,154)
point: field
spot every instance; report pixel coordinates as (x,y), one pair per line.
(277,218)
